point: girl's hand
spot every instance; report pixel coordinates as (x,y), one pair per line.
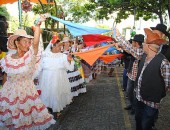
(43,17)
(69,57)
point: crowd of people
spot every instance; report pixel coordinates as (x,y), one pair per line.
(62,76)
(38,83)
(148,74)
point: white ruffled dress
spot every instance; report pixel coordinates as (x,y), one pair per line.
(53,80)
(20,105)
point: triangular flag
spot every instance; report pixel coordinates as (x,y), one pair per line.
(77,29)
(92,55)
(109,58)
(92,39)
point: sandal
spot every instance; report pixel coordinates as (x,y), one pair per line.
(58,114)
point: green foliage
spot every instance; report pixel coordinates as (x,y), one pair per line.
(4,12)
(148,9)
(76,12)
(53,9)
(104,27)
(27,21)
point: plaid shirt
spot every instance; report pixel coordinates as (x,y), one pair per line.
(133,74)
(165,71)
(137,53)
(134,51)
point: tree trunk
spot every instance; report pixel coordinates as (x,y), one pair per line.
(57,26)
(43,12)
(52,25)
(168,6)
(160,18)
(160,12)
(56,9)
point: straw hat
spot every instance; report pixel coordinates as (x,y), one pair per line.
(153,38)
(66,39)
(17,33)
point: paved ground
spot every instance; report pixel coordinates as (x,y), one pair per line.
(102,108)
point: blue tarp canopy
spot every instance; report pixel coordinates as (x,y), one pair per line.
(78,29)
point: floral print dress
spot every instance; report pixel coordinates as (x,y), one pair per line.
(20,105)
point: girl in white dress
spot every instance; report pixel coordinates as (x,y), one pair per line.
(53,80)
(77,83)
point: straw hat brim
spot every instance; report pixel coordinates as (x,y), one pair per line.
(157,42)
(10,43)
(66,39)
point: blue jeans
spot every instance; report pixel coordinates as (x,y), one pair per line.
(125,78)
(144,116)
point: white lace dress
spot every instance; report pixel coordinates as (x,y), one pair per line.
(20,105)
(53,80)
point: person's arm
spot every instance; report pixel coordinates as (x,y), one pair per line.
(126,46)
(68,62)
(165,72)
(69,58)
(37,34)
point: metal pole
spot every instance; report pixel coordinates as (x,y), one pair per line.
(134,24)
(20,13)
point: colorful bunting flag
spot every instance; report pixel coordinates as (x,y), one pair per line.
(110,58)
(79,29)
(92,55)
(92,39)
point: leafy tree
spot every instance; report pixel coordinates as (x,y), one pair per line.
(148,9)
(27,21)
(54,10)
(4,12)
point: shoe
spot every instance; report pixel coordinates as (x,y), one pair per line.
(132,111)
(123,90)
(50,110)
(128,107)
(154,128)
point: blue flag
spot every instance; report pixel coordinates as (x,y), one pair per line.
(78,29)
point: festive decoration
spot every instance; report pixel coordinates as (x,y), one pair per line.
(92,55)
(55,38)
(26,6)
(110,50)
(92,39)
(79,29)
(133,32)
(110,58)
(34,1)
(39,91)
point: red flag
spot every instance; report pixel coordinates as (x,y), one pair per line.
(92,39)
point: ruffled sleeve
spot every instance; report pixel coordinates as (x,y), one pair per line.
(16,66)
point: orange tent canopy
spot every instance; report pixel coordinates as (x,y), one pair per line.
(92,55)
(109,58)
(12,1)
